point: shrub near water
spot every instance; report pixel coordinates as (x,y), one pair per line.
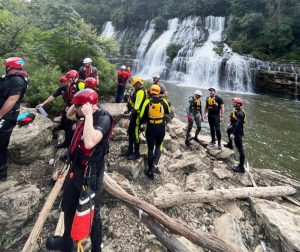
(42,83)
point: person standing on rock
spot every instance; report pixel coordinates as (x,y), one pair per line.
(194,113)
(163,89)
(123,75)
(87,151)
(153,112)
(235,131)
(13,86)
(136,100)
(214,110)
(87,70)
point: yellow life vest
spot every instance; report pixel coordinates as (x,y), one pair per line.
(196,104)
(156,113)
(234,118)
(212,102)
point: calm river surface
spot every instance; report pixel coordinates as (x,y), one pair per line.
(272,131)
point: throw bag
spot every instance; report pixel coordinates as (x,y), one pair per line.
(83,220)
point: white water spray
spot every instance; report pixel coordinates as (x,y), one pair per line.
(108,30)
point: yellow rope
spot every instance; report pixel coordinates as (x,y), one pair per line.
(79,246)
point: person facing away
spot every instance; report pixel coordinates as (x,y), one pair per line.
(194,114)
(123,75)
(88,148)
(214,110)
(163,89)
(153,113)
(87,70)
(136,101)
(235,131)
(13,86)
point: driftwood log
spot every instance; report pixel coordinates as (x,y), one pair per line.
(178,227)
(38,226)
(166,238)
(182,198)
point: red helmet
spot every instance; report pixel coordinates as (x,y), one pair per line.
(72,74)
(63,79)
(90,82)
(237,100)
(14,62)
(84,96)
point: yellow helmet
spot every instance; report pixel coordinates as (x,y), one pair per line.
(155,89)
(136,80)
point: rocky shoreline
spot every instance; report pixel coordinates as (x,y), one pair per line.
(248,224)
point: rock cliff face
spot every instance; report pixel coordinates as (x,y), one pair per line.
(279,81)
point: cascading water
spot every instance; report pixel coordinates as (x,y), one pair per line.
(156,57)
(146,36)
(108,30)
(204,66)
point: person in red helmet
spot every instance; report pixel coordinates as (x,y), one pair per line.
(123,76)
(90,82)
(235,131)
(63,92)
(13,86)
(87,70)
(87,151)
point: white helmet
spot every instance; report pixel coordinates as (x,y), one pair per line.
(198,92)
(156,76)
(123,67)
(87,60)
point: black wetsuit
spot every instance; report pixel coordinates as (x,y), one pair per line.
(237,120)
(73,185)
(9,86)
(213,105)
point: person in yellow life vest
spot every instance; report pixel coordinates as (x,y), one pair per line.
(235,131)
(136,100)
(194,113)
(153,113)
(214,110)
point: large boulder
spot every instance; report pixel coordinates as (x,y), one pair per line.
(189,160)
(282,224)
(230,232)
(18,204)
(116,110)
(198,181)
(130,169)
(176,128)
(31,142)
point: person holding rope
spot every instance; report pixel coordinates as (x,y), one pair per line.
(87,151)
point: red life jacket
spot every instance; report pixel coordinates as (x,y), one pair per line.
(69,94)
(123,76)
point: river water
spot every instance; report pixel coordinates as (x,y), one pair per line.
(272,131)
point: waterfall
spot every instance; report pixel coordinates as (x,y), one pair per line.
(156,56)
(203,68)
(108,30)
(145,38)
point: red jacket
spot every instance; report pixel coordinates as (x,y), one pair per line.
(123,76)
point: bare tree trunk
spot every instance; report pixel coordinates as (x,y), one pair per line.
(178,227)
(222,194)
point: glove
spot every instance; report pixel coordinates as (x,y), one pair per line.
(189,118)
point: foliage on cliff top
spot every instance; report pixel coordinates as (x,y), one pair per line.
(52,38)
(265,28)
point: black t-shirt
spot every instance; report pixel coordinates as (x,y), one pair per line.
(213,105)
(60,91)
(10,86)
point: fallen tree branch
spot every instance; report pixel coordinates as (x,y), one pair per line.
(38,226)
(162,234)
(182,198)
(178,227)
(290,199)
